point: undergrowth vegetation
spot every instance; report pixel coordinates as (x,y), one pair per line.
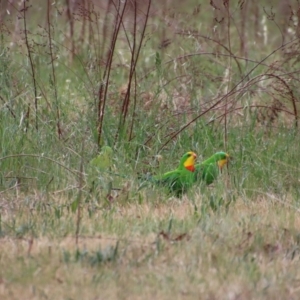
(152,80)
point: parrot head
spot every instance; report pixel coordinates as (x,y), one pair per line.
(222,159)
(188,161)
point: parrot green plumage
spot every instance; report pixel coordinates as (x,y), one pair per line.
(100,165)
(208,170)
(181,179)
(103,160)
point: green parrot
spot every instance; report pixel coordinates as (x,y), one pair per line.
(179,180)
(209,169)
(103,161)
(100,165)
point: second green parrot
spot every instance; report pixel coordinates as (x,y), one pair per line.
(208,170)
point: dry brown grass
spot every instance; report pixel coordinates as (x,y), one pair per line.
(250,252)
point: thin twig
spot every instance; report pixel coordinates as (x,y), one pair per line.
(133,64)
(81,181)
(25,8)
(224,96)
(52,58)
(74,172)
(102,94)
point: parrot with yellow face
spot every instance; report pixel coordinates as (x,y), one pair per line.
(178,181)
(208,170)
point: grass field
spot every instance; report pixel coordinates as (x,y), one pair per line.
(152,81)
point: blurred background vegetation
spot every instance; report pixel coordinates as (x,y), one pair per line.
(148,78)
